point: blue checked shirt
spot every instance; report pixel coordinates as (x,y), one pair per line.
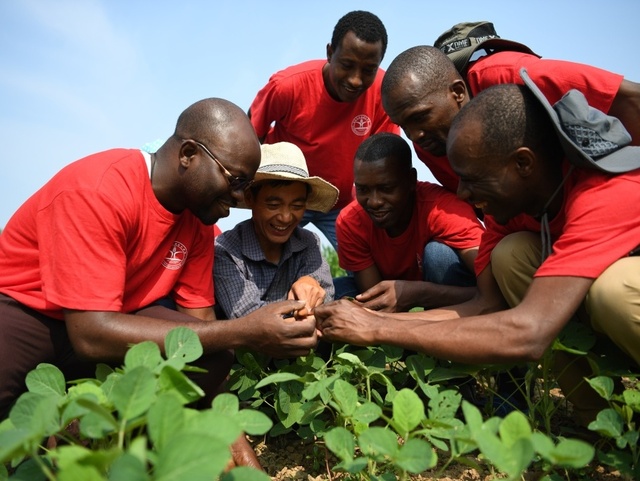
(244,280)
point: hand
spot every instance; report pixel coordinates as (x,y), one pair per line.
(309,290)
(276,335)
(349,322)
(385,296)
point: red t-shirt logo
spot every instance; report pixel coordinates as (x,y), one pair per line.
(361,125)
(176,256)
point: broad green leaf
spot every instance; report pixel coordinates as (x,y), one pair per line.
(311,410)
(165,417)
(512,460)
(71,455)
(146,354)
(416,455)
(319,388)
(253,422)
(134,392)
(408,411)
(420,366)
(472,416)
(209,423)
(97,421)
(171,379)
(572,453)
(603,385)
(340,442)
(346,396)
(226,403)
(88,388)
(245,473)
(367,412)
(543,445)
(353,465)
(608,423)
(128,467)
(350,358)
(632,399)
(378,441)
(513,427)
(277,378)
(36,412)
(28,470)
(138,448)
(46,379)
(182,346)
(17,442)
(444,405)
(76,472)
(193,458)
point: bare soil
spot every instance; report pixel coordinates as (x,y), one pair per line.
(291,458)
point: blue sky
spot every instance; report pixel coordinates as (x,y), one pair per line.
(80,76)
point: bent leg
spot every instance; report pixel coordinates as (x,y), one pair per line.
(442,265)
(613,305)
(514,261)
(28,339)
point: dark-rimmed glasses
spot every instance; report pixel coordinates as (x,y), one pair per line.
(235,183)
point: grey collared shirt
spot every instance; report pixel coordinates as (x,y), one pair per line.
(244,280)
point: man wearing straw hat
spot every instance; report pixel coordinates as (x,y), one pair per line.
(269,257)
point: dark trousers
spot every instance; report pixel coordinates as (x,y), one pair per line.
(28,338)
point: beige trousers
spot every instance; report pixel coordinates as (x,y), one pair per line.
(611,307)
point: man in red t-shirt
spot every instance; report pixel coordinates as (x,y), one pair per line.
(423,89)
(387,235)
(503,147)
(85,259)
(328,107)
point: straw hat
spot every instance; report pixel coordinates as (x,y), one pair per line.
(285,161)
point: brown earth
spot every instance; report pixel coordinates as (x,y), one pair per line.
(290,458)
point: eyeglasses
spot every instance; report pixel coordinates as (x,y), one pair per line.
(235,183)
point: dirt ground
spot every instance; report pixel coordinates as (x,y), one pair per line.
(291,459)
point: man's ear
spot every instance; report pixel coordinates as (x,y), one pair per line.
(459,91)
(524,159)
(187,151)
(329,52)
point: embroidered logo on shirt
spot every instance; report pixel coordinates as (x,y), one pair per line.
(361,125)
(176,256)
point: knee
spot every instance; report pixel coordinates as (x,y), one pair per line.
(520,250)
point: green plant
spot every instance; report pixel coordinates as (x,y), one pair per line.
(386,415)
(331,256)
(132,423)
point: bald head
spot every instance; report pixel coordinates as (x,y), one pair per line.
(212,118)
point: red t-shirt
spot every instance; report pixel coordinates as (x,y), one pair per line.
(438,215)
(295,107)
(553,77)
(96,238)
(598,224)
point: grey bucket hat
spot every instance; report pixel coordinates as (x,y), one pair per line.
(590,138)
(463,39)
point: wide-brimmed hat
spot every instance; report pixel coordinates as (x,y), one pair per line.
(285,161)
(463,39)
(589,137)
